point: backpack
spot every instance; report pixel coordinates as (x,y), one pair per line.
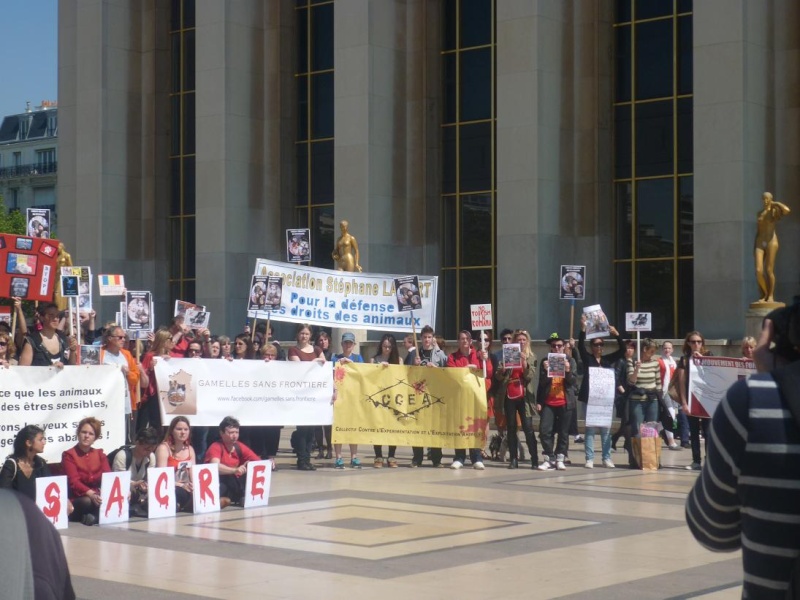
(128,450)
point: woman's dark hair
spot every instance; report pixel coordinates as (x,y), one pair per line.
(228,422)
(394,355)
(148,436)
(26,434)
(249,350)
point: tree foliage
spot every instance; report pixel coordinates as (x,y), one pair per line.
(12,221)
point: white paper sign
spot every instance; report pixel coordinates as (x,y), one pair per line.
(115,491)
(205,488)
(259,480)
(51,498)
(161,501)
(600,407)
(638,321)
(481,316)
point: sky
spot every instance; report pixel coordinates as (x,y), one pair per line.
(29,47)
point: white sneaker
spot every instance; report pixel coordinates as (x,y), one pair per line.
(545,466)
(609,464)
(478,466)
(693,467)
(456,464)
(560,466)
(589,464)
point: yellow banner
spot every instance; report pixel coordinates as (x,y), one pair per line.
(409,406)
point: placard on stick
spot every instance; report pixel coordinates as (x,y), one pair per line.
(298,245)
(573,282)
(481,317)
(638,321)
(407,293)
(138,311)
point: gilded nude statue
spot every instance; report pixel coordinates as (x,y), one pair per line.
(766,246)
(345,254)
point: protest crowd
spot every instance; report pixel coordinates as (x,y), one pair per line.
(649,389)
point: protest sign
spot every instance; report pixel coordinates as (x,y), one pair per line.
(257,392)
(205,488)
(556,365)
(56,399)
(274,294)
(52,498)
(638,321)
(90,355)
(481,316)
(709,380)
(138,307)
(600,406)
(39,222)
(298,245)
(181,306)
(84,275)
(512,356)
(573,282)
(115,489)
(407,293)
(259,480)
(69,286)
(197,319)
(354,300)
(161,500)
(5,315)
(111,285)
(596,322)
(27,267)
(409,406)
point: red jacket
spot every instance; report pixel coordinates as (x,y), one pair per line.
(456,359)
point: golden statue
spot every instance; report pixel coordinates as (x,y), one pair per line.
(63,260)
(766,248)
(345,254)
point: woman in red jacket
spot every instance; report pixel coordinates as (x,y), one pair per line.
(84,467)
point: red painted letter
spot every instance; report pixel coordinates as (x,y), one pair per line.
(53,496)
(257,489)
(115,497)
(161,493)
(205,482)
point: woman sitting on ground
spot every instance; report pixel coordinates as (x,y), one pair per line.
(176,451)
(21,469)
(84,467)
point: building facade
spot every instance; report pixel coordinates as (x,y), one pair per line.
(483,141)
(29,158)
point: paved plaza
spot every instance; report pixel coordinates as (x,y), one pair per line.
(424,534)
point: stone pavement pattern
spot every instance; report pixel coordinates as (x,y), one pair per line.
(424,534)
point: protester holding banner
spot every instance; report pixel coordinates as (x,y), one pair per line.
(388,354)
(429,355)
(7,350)
(225,346)
(304,351)
(694,344)
(323,433)
(232,457)
(347,356)
(24,465)
(84,467)
(555,401)
(113,353)
(669,379)
(243,348)
(176,451)
(603,361)
(516,398)
(149,411)
(467,356)
(622,390)
(179,331)
(748,346)
(48,347)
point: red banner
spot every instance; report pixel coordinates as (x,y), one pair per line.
(27,267)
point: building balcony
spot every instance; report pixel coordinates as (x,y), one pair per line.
(28,170)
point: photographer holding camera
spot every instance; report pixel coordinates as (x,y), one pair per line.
(748,495)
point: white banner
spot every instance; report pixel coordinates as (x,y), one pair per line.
(709,380)
(600,408)
(57,399)
(206,390)
(342,299)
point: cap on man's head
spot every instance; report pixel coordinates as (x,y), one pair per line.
(554,337)
(348,337)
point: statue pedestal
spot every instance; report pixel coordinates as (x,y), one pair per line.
(755,316)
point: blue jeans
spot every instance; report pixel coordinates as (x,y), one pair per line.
(642,411)
(605,443)
(474,455)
